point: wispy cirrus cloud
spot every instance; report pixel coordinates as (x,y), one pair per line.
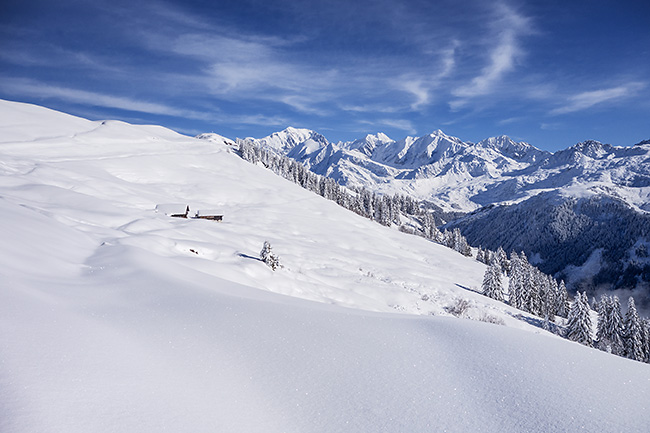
(245,66)
(20,86)
(586,100)
(264,69)
(400,124)
(507,30)
(254,119)
(419,90)
(253,68)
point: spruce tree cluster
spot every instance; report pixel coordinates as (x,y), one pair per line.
(531,290)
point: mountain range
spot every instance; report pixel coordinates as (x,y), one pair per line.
(501,192)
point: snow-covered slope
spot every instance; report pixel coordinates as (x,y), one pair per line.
(114,317)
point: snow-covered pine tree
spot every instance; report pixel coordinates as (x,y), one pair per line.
(488,256)
(466,250)
(616,327)
(515,285)
(433,233)
(492,286)
(633,335)
(502,259)
(562,300)
(532,289)
(579,326)
(610,325)
(547,294)
(479,254)
(268,257)
(604,315)
(554,292)
(527,283)
(594,303)
(459,243)
(513,256)
(646,340)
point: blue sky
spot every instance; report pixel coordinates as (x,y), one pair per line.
(551,73)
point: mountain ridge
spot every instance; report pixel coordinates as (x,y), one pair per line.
(459,175)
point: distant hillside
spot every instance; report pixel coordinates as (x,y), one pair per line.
(597,242)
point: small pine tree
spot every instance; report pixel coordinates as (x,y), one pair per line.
(492,286)
(579,326)
(268,257)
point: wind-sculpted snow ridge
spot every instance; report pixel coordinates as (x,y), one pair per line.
(116,318)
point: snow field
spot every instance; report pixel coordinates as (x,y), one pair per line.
(110,322)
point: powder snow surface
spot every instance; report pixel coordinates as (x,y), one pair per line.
(115,318)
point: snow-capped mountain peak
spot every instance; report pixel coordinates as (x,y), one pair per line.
(517,150)
(592,149)
(284,141)
(368,144)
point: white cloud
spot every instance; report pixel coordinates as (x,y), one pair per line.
(32,88)
(508,29)
(550,126)
(253,68)
(401,124)
(239,66)
(509,120)
(585,100)
(255,119)
(419,90)
(370,108)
